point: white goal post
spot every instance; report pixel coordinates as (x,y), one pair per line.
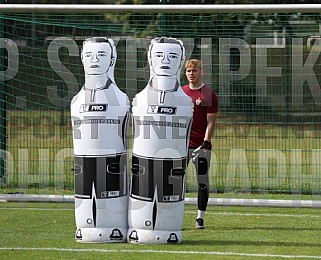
(233,8)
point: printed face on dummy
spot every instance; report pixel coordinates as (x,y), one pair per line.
(165,58)
(96,58)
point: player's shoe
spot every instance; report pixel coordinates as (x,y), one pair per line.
(199,223)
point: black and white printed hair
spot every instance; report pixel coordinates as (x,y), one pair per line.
(102,40)
(171,41)
(167,40)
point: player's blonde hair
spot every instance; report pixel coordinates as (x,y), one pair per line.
(194,63)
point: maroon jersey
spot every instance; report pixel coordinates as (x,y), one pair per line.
(205,101)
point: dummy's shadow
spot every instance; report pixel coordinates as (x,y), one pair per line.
(242,242)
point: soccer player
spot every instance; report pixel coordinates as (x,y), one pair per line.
(205,111)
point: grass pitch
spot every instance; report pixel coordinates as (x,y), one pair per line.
(46,231)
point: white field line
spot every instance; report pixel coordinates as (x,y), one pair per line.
(159,251)
(40,209)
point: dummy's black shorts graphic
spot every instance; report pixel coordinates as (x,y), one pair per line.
(167,176)
(105,174)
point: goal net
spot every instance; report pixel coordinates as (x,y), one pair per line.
(263,63)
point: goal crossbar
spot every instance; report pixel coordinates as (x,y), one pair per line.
(232,8)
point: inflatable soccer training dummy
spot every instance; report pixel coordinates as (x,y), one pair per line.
(100,113)
(162,115)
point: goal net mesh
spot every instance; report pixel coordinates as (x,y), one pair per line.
(264,67)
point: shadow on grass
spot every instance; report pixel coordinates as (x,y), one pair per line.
(296,229)
(248,243)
